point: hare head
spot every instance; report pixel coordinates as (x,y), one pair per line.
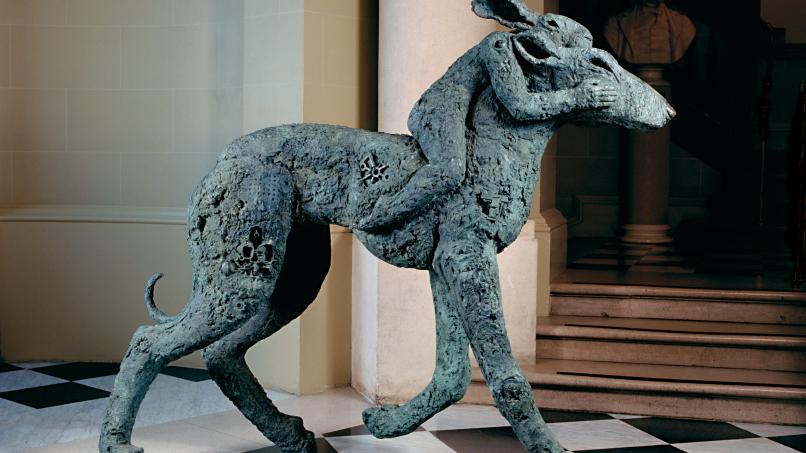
(556,53)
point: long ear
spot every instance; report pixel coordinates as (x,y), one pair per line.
(510,13)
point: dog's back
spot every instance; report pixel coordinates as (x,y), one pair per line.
(338,172)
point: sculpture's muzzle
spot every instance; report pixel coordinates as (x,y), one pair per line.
(641,106)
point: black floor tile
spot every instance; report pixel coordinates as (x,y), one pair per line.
(565,416)
(79,370)
(321,447)
(360,430)
(54,395)
(8,367)
(650,449)
(189,374)
(795,442)
(681,431)
(483,440)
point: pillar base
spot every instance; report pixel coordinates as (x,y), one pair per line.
(646,234)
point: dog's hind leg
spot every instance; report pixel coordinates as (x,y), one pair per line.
(255,210)
(306,264)
(451,374)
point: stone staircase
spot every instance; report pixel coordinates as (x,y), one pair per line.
(677,352)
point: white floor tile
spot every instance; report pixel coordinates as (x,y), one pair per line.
(416,442)
(52,425)
(23,379)
(232,423)
(771,430)
(10,410)
(326,412)
(35,364)
(171,399)
(464,416)
(592,435)
(103,382)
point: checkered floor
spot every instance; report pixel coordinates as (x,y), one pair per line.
(613,255)
(35,397)
(604,433)
(52,385)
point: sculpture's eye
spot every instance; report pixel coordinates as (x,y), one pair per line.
(553,23)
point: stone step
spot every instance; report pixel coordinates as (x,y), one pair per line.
(632,301)
(706,393)
(673,342)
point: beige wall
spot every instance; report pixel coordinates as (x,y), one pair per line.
(341,62)
(119,103)
(110,112)
(273,62)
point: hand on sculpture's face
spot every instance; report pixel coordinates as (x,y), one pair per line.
(596,94)
(602,92)
(610,94)
(555,53)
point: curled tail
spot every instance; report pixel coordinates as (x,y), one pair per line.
(155,313)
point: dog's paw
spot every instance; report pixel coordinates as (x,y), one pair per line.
(380,420)
(306,445)
(120,448)
(387,421)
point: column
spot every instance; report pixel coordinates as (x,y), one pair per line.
(393,320)
(647,196)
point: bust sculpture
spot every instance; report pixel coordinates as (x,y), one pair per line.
(650,33)
(445,199)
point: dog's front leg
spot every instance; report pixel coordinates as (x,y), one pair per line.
(469,267)
(451,374)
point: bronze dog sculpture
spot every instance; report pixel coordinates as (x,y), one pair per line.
(446,199)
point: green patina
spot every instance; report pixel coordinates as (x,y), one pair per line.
(446,199)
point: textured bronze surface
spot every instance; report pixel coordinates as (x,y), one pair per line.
(447,199)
